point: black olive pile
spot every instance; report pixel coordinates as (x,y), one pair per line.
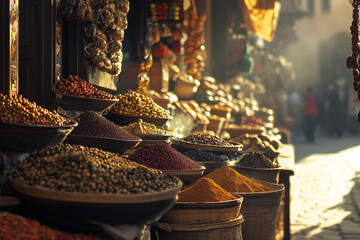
(206,139)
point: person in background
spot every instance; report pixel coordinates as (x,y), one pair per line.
(320,103)
(354,108)
(337,109)
(311,115)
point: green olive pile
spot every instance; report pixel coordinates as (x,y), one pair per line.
(137,104)
(20,110)
(95,171)
(74,85)
(148,128)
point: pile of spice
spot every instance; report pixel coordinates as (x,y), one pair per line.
(13,227)
(93,124)
(232,181)
(74,85)
(17,109)
(137,104)
(78,172)
(204,190)
(205,156)
(141,127)
(206,139)
(255,160)
(162,156)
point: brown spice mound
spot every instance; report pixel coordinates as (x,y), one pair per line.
(205,190)
(232,181)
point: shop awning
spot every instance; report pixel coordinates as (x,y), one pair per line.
(261,16)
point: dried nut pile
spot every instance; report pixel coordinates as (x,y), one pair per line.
(74,85)
(137,104)
(147,128)
(204,156)
(206,139)
(79,172)
(255,160)
(21,110)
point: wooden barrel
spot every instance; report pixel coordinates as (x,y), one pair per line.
(203,213)
(229,230)
(260,211)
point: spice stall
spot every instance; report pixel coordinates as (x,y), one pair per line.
(115,151)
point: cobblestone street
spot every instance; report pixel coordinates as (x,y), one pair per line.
(325,194)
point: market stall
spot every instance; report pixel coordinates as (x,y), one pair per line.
(140,143)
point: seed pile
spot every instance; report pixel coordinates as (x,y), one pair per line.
(256,160)
(206,139)
(352,62)
(74,85)
(93,124)
(148,128)
(137,104)
(21,110)
(162,156)
(76,171)
(204,156)
(13,227)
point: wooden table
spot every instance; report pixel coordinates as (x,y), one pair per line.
(287,162)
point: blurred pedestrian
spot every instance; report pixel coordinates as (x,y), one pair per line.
(311,115)
(320,103)
(354,107)
(295,105)
(337,109)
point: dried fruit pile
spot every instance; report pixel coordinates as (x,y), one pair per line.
(93,124)
(74,85)
(88,170)
(162,156)
(144,127)
(21,110)
(137,104)
(255,160)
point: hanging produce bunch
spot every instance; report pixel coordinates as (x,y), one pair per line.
(104,30)
(352,62)
(194,45)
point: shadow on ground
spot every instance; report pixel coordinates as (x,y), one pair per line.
(348,228)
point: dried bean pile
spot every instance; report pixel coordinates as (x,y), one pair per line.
(205,156)
(353,62)
(162,156)
(74,85)
(93,124)
(137,104)
(148,128)
(79,172)
(255,160)
(13,227)
(206,139)
(21,110)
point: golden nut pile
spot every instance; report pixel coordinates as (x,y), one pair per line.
(20,110)
(147,128)
(137,104)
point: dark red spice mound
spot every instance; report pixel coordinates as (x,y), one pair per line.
(162,156)
(93,124)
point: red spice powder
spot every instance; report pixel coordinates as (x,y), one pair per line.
(93,124)
(162,156)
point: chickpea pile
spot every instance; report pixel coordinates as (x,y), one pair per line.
(148,128)
(74,85)
(137,104)
(21,110)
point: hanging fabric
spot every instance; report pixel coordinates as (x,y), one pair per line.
(261,16)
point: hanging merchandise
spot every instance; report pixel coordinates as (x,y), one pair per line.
(261,17)
(166,11)
(143,78)
(106,22)
(246,62)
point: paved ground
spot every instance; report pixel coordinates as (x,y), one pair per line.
(325,194)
